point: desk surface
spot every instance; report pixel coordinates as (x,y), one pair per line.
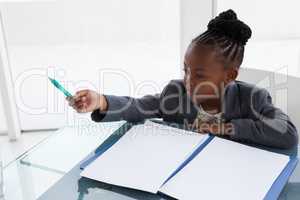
(26,181)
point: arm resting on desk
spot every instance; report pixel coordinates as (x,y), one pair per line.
(271,128)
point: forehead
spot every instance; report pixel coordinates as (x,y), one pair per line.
(201,56)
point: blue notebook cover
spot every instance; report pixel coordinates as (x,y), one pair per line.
(282,179)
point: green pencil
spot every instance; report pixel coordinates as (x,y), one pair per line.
(60,87)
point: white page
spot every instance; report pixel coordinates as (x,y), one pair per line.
(227,170)
(144,157)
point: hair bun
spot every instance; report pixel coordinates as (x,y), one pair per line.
(227,24)
(227,15)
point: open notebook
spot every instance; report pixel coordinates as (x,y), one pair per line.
(186,165)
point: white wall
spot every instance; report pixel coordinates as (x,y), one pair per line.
(91,21)
(269,19)
(275,42)
(274,56)
(143,39)
(79,38)
(194,18)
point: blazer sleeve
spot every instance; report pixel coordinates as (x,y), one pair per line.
(129,109)
(271,127)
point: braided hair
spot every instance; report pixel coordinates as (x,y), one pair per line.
(227,35)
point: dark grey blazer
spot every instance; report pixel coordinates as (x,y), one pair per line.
(246,106)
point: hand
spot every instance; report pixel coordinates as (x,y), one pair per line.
(216,128)
(87,101)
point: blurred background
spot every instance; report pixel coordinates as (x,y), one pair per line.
(125,47)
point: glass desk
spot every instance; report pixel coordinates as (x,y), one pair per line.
(54,173)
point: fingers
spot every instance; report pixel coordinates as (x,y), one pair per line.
(78,96)
(80,107)
(70,100)
(79,101)
(75,103)
(81,93)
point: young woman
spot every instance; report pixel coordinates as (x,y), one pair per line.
(208,95)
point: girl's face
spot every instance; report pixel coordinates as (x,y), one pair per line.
(204,76)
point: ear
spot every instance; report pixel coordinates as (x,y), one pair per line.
(231,74)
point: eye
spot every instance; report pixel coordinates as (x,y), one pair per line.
(200,75)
